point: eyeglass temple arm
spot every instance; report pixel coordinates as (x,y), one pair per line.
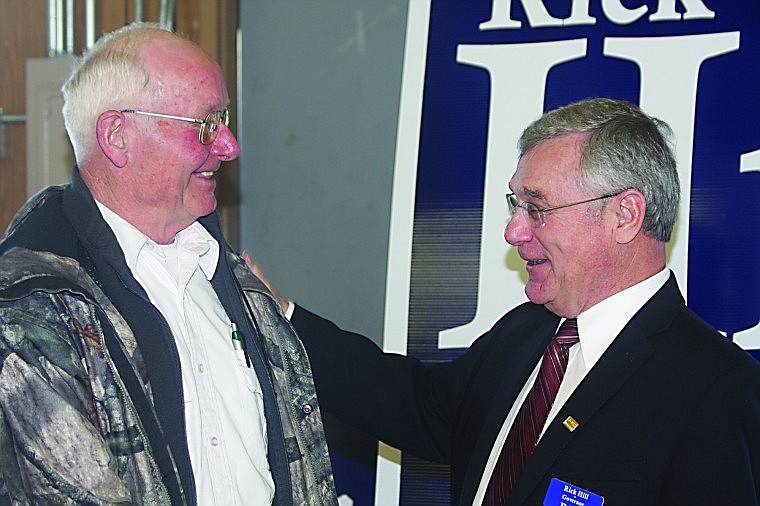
(160,115)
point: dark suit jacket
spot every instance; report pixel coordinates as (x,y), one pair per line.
(669,415)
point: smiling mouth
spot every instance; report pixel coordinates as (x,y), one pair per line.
(208,173)
(531,263)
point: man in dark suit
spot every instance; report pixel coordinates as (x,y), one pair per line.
(653,405)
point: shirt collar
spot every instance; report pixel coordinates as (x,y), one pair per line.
(599,325)
(193,238)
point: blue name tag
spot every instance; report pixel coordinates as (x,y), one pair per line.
(561,493)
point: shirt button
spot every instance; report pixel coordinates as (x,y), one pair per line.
(307,409)
(201,368)
(214,441)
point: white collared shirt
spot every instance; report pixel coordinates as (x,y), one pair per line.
(224,410)
(597,328)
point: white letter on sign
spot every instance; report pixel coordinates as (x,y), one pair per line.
(669,69)
(518,81)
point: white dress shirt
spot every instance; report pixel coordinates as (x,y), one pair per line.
(597,328)
(224,410)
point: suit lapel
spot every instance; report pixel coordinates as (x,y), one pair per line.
(630,349)
(517,356)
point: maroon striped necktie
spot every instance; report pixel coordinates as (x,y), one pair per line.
(530,420)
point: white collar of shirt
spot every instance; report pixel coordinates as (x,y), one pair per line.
(133,242)
(599,325)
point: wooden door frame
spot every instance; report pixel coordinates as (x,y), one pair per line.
(23,35)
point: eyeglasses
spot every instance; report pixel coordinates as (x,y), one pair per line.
(209,124)
(535,215)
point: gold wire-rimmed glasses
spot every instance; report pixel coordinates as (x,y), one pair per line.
(209,124)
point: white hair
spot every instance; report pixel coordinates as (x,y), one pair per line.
(110,75)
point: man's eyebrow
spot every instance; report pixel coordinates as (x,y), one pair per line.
(533,193)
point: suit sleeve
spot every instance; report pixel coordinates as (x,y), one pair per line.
(391,397)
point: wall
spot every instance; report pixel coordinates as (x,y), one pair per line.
(319,91)
(22,36)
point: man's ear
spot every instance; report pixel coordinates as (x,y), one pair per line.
(112,138)
(630,208)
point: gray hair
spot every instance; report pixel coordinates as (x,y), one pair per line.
(625,148)
(108,76)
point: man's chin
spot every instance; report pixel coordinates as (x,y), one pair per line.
(536,293)
(207,207)
(541,297)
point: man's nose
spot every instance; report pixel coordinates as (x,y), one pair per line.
(225,146)
(517,230)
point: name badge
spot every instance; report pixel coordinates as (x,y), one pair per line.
(561,493)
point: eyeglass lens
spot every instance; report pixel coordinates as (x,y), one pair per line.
(210,125)
(530,211)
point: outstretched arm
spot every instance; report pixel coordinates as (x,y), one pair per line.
(391,397)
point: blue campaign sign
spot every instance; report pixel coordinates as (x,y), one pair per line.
(476,73)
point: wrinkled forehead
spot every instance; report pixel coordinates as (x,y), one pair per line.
(178,68)
(549,165)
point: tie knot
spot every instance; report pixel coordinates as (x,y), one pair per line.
(567,334)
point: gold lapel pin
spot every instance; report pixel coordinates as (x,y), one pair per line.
(570,423)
